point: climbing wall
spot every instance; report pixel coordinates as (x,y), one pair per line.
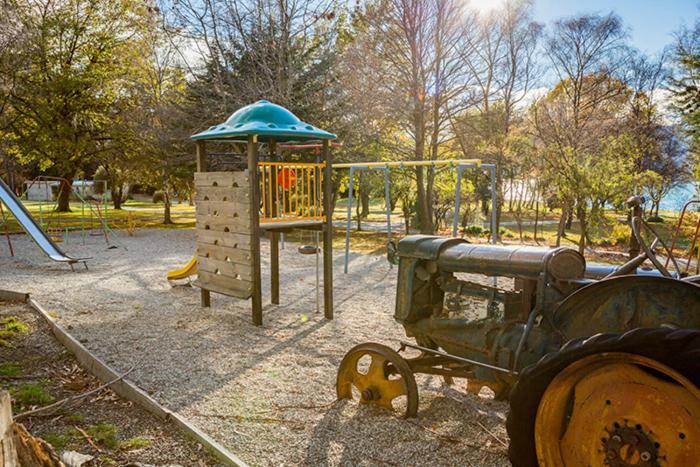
(224,261)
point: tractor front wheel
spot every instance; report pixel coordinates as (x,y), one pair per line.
(611,399)
(377,375)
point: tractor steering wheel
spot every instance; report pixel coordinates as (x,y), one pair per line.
(638,226)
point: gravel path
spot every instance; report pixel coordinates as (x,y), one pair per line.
(267,393)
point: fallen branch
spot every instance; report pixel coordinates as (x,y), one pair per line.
(70,400)
(89,439)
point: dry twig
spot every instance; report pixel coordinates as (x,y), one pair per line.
(89,439)
(69,400)
(503,443)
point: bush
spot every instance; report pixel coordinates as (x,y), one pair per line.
(655,219)
(620,234)
(158,197)
(473,230)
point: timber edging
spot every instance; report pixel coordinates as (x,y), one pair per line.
(123,387)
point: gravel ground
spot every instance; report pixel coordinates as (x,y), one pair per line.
(267,393)
(129,433)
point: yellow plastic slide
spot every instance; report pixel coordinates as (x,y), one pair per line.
(189,270)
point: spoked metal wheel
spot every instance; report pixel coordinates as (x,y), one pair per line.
(378,375)
(618,409)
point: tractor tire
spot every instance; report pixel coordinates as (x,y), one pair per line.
(678,349)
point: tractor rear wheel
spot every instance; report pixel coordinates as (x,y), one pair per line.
(611,399)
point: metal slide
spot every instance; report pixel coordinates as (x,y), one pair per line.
(9,199)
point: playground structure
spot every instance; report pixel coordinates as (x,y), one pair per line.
(33,229)
(459,165)
(270,197)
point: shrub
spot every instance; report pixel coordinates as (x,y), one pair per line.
(620,234)
(158,196)
(473,230)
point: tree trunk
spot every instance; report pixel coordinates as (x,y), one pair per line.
(364,201)
(584,229)
(424,217)
(64,193)
(562,225)
(117,196)
(167,219)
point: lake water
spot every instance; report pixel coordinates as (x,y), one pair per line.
(677,197)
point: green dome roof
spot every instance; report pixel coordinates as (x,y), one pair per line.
(268,121)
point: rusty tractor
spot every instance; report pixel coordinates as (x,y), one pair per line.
(601,363)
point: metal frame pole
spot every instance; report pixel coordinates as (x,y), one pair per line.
(494,205)
(347,227)
(387,199)
(458,200)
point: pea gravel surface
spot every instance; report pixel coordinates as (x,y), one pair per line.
(266,393)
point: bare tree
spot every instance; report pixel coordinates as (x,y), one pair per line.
(587,53)
(501,56)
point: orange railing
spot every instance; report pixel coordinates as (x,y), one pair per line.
(291,191)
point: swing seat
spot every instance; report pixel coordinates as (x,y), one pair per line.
(308,249)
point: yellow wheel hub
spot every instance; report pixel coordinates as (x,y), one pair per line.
(618,409)
(379,376)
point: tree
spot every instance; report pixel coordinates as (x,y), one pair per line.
(410,49)
(685,87)
(573,121)
(72,61)
(502,58)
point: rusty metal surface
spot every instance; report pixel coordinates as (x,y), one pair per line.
(618,409)
(512,261)
(379,381)
(627,302)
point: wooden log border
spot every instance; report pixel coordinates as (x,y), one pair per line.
(125,388)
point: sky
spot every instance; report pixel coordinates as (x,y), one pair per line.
(651,23)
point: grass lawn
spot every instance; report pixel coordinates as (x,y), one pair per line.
(138,214)
(612,233)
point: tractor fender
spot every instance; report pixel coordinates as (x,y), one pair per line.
(622,303)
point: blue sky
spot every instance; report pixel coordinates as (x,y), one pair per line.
(651,22)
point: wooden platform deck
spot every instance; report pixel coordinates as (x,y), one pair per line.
(285,226)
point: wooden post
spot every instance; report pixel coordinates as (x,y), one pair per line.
(206,298)
(202,162)
(255,227)
(274,240)
(8,453)
(203,166)
(328,232)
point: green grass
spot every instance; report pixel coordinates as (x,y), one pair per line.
(105,434)
(29,394)
(10,328)
(145,215)
(58,440)
(10,369)
(135,443)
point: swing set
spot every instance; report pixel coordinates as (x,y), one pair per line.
(460,165)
